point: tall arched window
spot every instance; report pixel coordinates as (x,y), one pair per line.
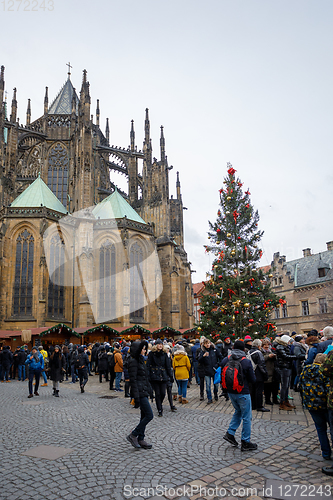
(137,299)
(57,179)
(107,282)
(56,291)
(23,281)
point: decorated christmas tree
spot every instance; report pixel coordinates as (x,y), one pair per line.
(239,297)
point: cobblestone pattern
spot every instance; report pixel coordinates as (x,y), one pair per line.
(187,446)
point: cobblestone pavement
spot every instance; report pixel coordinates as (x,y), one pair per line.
(189,459)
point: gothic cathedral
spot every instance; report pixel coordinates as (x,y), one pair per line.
(74,248)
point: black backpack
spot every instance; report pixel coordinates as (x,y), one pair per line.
(232,375)
(111,361)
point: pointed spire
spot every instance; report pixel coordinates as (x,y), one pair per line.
(97,113)
(179,196)
(69,70)
(2,84)
(147,128)
(162,145)
(107,131)
(132,135)
(14,108)
(28,113)
(73,103)
(46,100)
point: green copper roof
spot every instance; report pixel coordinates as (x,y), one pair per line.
(62,104)
(37,195)
(116,207)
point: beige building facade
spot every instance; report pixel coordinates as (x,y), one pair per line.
(307,285)
(73,248)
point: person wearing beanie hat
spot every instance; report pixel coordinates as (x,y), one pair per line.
(181,366)
(35,362)
(260,371)
(285,360)
(240,397)
(248,343)
(299,348)
(21,358)
(159,372)
(140,391)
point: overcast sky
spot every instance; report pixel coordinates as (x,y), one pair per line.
(243,81)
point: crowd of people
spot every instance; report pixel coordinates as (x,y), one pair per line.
(263,372)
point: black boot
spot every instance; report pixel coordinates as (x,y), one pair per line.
(56,394)
(54,391)
(127,389)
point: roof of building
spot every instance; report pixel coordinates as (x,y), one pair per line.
(305,270)
(198,287)
(62,104)
(116,207)
(38,195)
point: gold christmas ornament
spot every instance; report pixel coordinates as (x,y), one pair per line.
(233,318)
(241,282)
(228,235)
(228,198)
(222,323)
(247,304)
(227,212)
(270,275)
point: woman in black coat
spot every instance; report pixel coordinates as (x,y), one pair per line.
(159,369)
(140,391)
(57,366)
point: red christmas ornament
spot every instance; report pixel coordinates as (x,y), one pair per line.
(220,277)
(240,184)
(218,230)
(235,215)
(231,171)
(247,192)
(221,191)
(219,213)
(236,312)
(251,320)
(247,205)
(203,313)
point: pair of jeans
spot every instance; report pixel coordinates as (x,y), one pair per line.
(5,373)
(243,412)
(73,373)
(44,377)
(208,380)
(257,395)
(21,372)
(101,373)
(182,387)
(321,420)
(33,374)
(83,376)
(159,390)
(145,417)
(118,379)
(285,383)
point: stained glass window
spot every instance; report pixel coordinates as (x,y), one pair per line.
(136,283)
(56,290)
(57,179)
(23,281)
(107,281)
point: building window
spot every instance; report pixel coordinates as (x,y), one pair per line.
(58,172)
(284,311)
(23,281)
(137,299)
(322,306)
(305,308)
(280,281)
(275,281)
(56,290)
(322,272)
(107,281)
(277,313)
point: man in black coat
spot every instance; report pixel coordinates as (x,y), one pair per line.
(140,391)
(7,361)
(209,358)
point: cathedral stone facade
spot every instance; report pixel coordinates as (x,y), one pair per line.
(73,248)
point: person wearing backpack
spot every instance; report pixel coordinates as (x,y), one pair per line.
(102,364)
(35,361)
(237,373)
(259,366)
